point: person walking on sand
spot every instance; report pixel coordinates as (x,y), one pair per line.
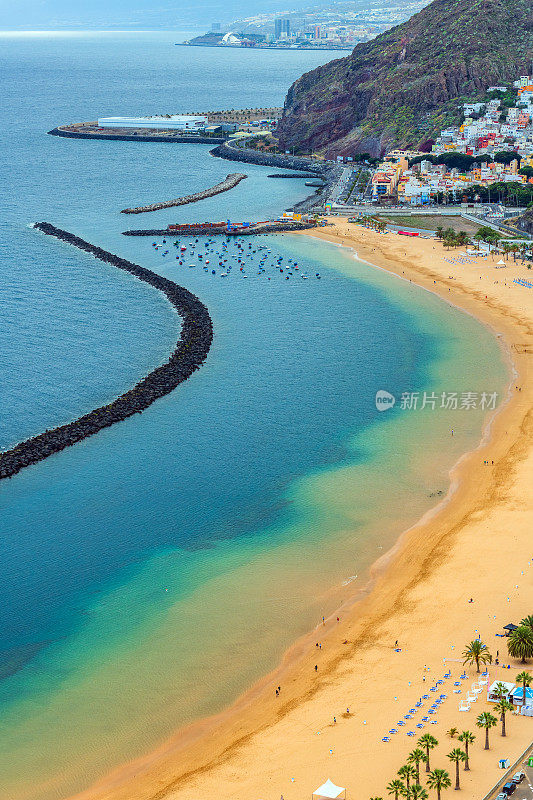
(316,667)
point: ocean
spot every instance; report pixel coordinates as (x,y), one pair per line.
(155,571)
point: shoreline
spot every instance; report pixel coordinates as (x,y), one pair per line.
(190,352)
(190,763)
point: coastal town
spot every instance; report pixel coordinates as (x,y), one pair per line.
(493,145)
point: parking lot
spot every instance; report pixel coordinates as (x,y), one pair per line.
(524,790)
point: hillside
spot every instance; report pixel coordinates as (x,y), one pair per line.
(406,85)
(525,222)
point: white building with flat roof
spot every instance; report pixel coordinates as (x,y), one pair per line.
(173,122)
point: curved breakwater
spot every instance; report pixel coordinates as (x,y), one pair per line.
(228,183)
(190,352)
(135,137)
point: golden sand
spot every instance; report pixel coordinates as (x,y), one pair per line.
(477,544)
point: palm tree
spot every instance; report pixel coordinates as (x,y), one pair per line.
(527,621)
(486,720)
(429,742)
(520,643)
(456,756)
(500,708)
(407,772)
(415,757)
(452,732)
(466,737)
(476,653)
(525,679)
(396,787)
(439,779)
(439,232)
(418,793)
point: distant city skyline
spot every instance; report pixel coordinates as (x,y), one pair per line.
(168,14)
(134,14)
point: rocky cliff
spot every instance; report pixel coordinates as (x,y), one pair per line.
(407,84)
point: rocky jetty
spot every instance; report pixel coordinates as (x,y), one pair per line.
(262,227)
(247,155)
(292,175)
(228,183)
(190,352)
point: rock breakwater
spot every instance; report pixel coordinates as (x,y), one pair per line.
(228,183)
(247,155)
(209,230)
(190,352)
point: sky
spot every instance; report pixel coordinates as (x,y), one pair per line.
(134,14)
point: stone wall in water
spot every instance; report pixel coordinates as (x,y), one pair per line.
(190,352)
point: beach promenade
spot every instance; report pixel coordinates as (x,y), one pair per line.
(476,546)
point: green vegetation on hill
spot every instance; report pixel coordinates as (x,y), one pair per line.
(409,83)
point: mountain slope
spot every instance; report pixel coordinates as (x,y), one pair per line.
(407,84)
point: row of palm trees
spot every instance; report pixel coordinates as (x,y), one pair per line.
(372,222)
(519,645)
(407,784)
(452,239)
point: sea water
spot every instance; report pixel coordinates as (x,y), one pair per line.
(154,571)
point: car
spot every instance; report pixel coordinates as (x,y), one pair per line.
(502,796)
(519,777)
(509,787)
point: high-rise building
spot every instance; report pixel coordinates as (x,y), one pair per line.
(282,28)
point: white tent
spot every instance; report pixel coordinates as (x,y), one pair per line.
(328,791)
(499,264)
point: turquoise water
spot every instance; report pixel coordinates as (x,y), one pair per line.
(234,512)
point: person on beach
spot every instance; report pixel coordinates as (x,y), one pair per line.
(316,667)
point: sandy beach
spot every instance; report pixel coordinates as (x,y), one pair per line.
(476,545)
